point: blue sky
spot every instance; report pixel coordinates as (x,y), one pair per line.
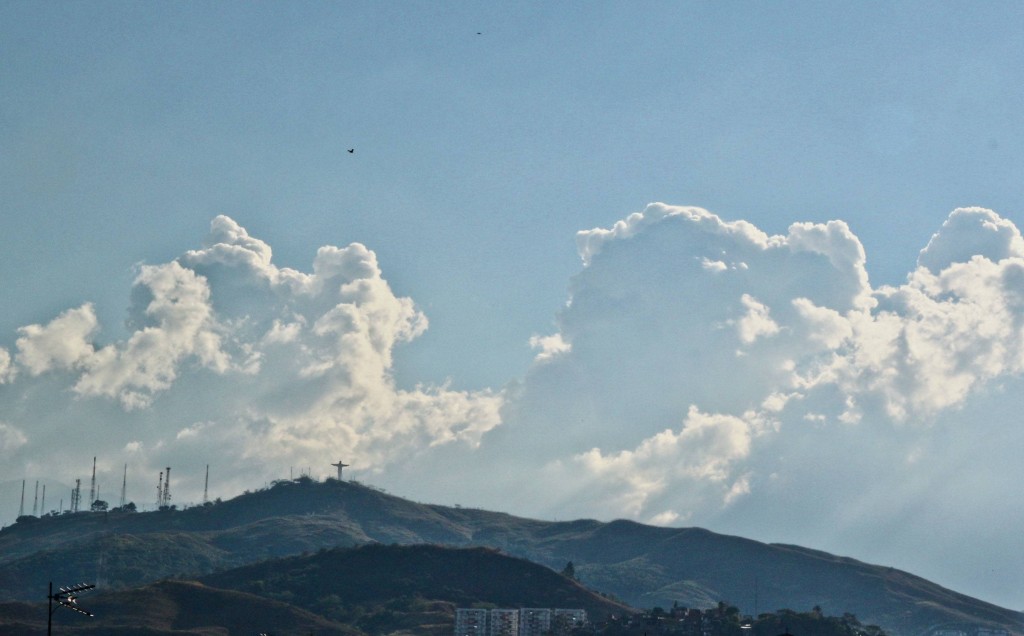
(159,151)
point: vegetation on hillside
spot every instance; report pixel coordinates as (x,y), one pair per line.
(644,566)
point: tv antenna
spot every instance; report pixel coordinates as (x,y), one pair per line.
(66,597)
(340,465)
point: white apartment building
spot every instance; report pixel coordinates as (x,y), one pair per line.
(528,621)
(565,620)
(503,622)
(534,621)
(470,622)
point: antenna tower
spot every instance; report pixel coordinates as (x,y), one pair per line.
(92,488)
(160,491)
(76,495)
(124,484)
(21,508)
(35,501)
(206,486)
(42,504)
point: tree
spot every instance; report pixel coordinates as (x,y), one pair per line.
(99,506)
(569,571)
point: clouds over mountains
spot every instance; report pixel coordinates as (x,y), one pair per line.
(702,371)
(697,358)
(301,363)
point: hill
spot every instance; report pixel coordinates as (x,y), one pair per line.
(644,566)
(374,589)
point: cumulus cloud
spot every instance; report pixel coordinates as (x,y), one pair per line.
(706,372)
(970,232)
(7,370)
(701,371)
(273,367)
(63,343)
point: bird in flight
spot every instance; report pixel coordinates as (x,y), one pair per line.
(351,150)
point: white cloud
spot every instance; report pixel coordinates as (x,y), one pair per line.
(11,438)
(839,382)
(7,370)
(637,405)
(970,232)
(756,322)
(274,367)
(549,346)
(63,343)
(182,326)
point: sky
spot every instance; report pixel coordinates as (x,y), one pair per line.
(749,266)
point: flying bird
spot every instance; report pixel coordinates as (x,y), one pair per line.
(351,150)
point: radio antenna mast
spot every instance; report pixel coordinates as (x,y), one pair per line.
(124,485)
(21,508)
(76,495)
(35,500)
(206,486)
(92,487)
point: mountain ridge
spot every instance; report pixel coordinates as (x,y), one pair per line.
(645,566)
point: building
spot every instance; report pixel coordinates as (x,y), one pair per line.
(528,621)
(503,622)
(565,620)
(534,621)
(470,622)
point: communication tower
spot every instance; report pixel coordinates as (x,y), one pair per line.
(42,504)
(167,488)
(21,508)
(206,486)
(92,488)
(124,485)
(35,501)
(160,491)
(76,495)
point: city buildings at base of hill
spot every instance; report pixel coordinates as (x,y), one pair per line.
(526,621)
